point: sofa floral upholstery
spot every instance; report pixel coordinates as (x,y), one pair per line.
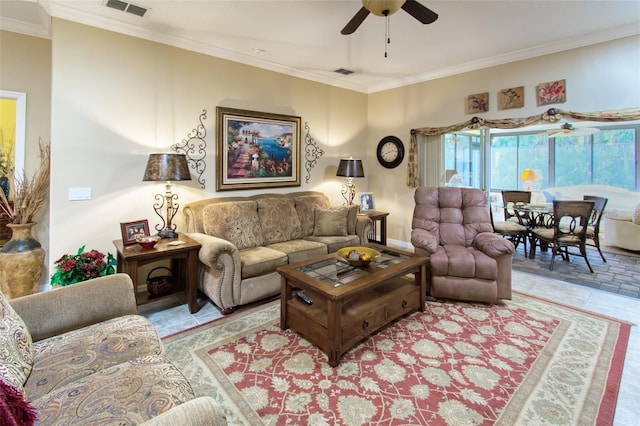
(245,239)
(107,370)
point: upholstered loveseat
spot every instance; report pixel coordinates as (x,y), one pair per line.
(81,355)
(244,240)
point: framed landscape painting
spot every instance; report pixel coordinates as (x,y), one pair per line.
(256,150)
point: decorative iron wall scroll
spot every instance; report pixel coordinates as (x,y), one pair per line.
(194,147)
(312,152)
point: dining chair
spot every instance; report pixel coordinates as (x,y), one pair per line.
(567,231)
(593,226)
(513,196)
(515,232)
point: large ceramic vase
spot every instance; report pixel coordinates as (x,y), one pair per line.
(21,262)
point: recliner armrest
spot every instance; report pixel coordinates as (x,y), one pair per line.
(424,239)
(493,245)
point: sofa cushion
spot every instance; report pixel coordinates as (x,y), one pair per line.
(16,347)
(258,261)
(336,242)
(236,222)
(635,217)
(127,393)
(330,222)
(67,357)
(299,250)
(306,205)
(278,219)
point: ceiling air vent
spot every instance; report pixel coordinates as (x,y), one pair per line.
(343,71)
(124,6)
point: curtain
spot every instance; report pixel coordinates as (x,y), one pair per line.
(550,116)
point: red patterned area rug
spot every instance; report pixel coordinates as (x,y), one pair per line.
(527,361)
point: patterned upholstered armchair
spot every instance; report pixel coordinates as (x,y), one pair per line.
(467,260)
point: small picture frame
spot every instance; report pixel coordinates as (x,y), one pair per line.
(511,98)
(366,201)
(130,230)
(552,92)
(477,103)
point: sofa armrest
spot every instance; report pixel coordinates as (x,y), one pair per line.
(222,270)
(424,239)
(364,227)
(79,305)
(203,411)
(493,245)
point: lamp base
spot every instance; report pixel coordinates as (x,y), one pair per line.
(167,233)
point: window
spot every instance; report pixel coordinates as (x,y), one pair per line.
(463,159)
(609,157)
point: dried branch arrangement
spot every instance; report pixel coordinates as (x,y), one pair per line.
(29,194)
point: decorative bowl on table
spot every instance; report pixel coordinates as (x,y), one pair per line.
(147,242)
(358,256)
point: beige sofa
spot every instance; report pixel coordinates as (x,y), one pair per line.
(244,240)
(81,355)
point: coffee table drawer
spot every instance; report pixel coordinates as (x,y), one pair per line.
(364,325)
(407,299)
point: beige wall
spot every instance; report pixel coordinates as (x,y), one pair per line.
(117,98)
(30,74)
(599,77)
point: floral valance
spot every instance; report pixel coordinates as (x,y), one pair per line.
(550,116)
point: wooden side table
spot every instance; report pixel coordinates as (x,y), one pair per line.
(379,232)
(183,257)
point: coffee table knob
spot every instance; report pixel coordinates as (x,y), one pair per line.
(365,324)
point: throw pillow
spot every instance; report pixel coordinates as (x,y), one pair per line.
(331,222)
(236,222)
(14,410)
(16,356)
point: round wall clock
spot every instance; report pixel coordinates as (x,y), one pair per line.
(390,152)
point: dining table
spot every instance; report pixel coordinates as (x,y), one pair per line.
(531,216)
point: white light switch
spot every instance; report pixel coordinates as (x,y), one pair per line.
(76,194)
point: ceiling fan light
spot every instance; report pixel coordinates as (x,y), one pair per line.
(379,7)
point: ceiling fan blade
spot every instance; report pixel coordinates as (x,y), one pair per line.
(420,12)
(355,22)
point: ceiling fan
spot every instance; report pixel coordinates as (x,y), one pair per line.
(387,8)
(567,130)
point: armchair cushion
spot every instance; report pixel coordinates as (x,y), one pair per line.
(463,262)
(236,222)
(330,222)
(92,349)
(16,347)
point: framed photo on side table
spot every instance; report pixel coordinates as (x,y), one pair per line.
(366,201)
(130,230)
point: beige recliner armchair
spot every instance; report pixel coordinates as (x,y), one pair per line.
(467,261)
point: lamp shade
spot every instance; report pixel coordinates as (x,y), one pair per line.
(167,167)
(529,174)
(350,167)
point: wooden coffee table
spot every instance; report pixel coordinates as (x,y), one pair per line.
(350,303)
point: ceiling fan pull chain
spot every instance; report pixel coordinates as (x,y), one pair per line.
(387,37)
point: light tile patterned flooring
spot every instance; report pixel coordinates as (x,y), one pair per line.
(172,315)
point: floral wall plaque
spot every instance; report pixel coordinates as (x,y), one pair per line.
(478,103)
(553,92)
(511,98)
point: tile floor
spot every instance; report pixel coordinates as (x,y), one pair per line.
(172,315)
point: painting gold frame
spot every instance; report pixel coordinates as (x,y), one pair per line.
(256,150)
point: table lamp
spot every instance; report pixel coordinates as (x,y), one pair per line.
(350,168)
(167,168)
(529,176)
